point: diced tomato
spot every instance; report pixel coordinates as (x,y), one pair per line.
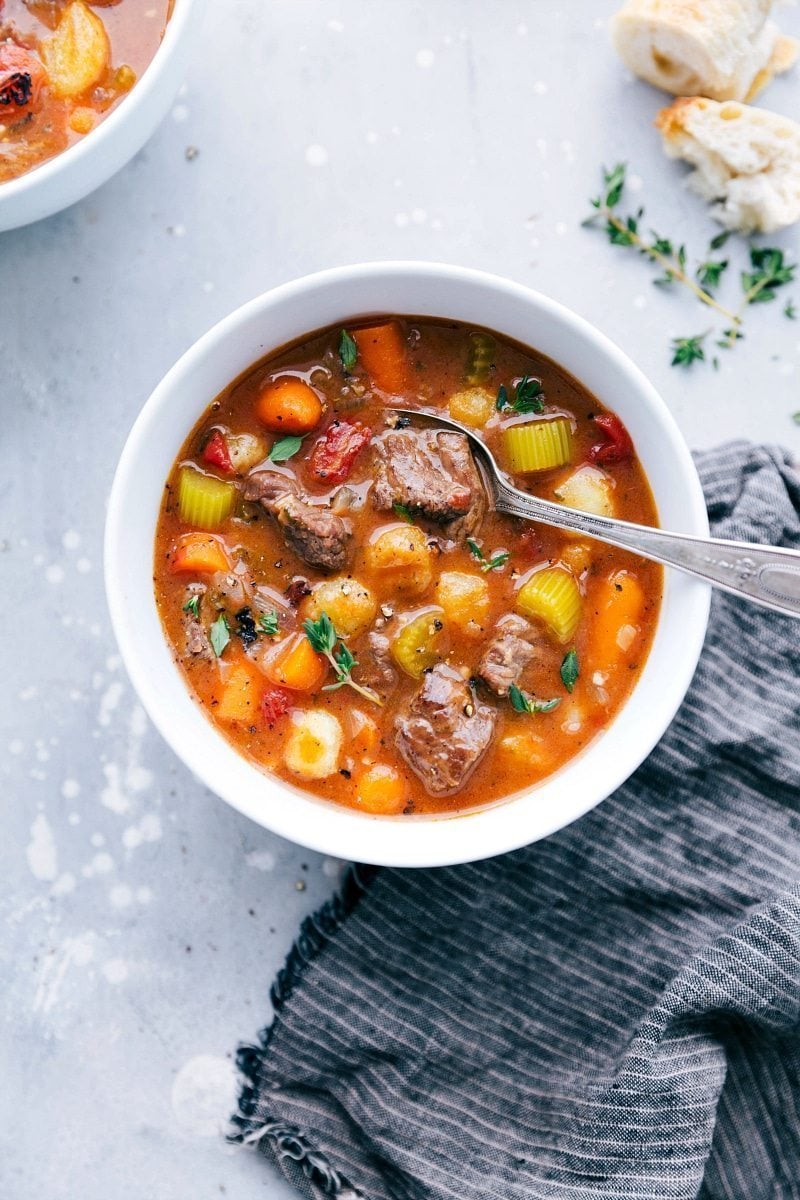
(333,455)
(275,704)
(22,77)
(618,446)
(216,452)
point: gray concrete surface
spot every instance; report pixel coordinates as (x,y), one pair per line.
(142,921)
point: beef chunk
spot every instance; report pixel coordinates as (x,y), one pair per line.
(377,668)
(319,536)
(445,731)
(194,633)
(432,473)
(505,658)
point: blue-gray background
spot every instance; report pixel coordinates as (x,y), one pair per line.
(142,921)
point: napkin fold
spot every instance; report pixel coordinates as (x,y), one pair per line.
(613,1012)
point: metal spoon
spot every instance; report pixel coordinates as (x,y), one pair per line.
(766,575)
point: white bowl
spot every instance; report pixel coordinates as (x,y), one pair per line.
(338,297)
(71,175)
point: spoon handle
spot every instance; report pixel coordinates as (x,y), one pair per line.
(766,575)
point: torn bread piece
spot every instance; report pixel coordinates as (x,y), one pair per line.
(723,49)
(746,160)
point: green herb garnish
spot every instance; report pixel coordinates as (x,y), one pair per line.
(323,638)
(570,670)
(192,606)
(404,513)
(796,418)
(768,271)
(220,634)
(789,310)
(268,623)
(285,448)
(523,703)
(348,351)
(686,350)
(528,397)
(498,559)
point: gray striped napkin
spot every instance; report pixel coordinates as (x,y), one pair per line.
(613,1012)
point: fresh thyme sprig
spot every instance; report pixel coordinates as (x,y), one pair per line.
(498,559)
(625,231)
(768,271)
(323,638)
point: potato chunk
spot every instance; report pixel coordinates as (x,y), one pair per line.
(464,596)
(401,560)
(349,603)
(314,744)
(588,489)
(78,53)
(472,406)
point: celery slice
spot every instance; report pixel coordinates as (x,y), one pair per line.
(554,597)
(418,645)
(539,445)
(479,358)
(204,501)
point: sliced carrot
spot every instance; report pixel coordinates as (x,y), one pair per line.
(288,405)
(618,604)
(200,553)
(241,693)
(295,665)
(381,790)
(383,354)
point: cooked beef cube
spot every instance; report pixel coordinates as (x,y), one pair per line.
(445,731)
(315,533)
(377,669)
(195,636)
(432,473)
(512,648)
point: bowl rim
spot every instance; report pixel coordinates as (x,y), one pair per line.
(91,144)
(333,829)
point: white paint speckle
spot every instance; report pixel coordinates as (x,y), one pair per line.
(634,183)
(262,860)
(83,566)
(71,539)
(540,88)
(109,701)
(333,867)
(180,113)
(208,286)
(74,951)
(401,219)
(54,573)
(371,137)
(425,59)
(204,1095)
(419,216)
(41,852)
(115,970)
(316,155)
(144,895)
(178,230)
(16,746)
(561,228)
(74,818)
(335,26)
(112,795)
(121,896)
(640,302)
(149,829)
(65,884)
(97,840)
(29,693)
(541,146)
(522,29)
(101,864)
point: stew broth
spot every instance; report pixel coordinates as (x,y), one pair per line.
(233,591)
